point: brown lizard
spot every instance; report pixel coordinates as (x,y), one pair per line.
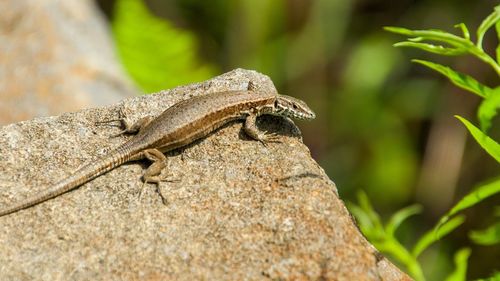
(178,126)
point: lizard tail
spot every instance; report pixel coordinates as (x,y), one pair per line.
(84,174)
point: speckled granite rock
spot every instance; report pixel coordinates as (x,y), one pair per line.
(237,211)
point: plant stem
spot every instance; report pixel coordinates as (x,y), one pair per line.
(480,54)
(400,253)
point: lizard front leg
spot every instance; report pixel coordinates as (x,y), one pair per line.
(251,130)
(129,127)
(133,128)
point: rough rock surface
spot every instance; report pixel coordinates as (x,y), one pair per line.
(56,56)
(237,210)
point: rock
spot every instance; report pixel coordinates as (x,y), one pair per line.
(56,56)
(234,210)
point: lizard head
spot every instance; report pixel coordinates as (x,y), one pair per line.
(291,107)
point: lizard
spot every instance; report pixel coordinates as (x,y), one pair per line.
(178,126)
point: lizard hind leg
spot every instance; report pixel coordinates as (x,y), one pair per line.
(152,173)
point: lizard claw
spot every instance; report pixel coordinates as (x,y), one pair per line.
(156,180)
(118,134)
(266,138)
(121,117)
(106,122)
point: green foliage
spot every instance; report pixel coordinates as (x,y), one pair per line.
(491,97)
(488,236)
(457,45)
(460,271)
(487,24)
(434,235)
(155,53)
(383,237)
(453,45)
(461,80)
(491,146)
(479,194)
(488,109)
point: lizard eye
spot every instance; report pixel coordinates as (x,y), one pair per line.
(294,106)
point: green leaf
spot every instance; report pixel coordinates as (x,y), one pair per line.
(479,194)
(465,30)
(368,219)
(385,241)
(362,218)
(487,23)
(435,234)
(399,30)
(487,143)
(436,49)
(400,216)
(366,206)
(488,109)
(460,272)
(459,43)
(488,236)
(497,51)
(461,80)
(433,35)
(155,53)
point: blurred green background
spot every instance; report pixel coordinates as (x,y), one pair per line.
(384,125)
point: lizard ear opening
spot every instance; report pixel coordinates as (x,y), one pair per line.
(276,104)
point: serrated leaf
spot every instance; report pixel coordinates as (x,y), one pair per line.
(436,234)
(486,237)
(400,216)
(487,143)
(460,272)
(476,196)
(488,109)
(436,49)
(155,53)
(461,80)
(487,23)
